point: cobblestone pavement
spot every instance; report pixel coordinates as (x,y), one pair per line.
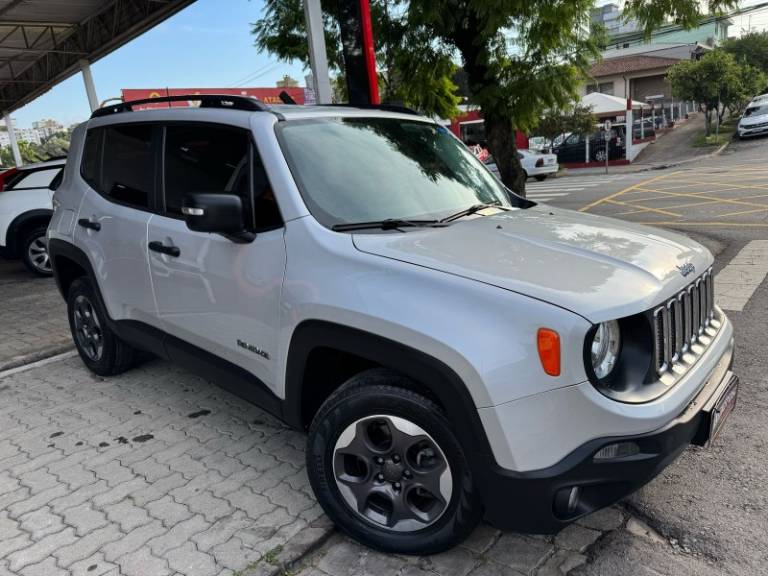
(157,472)
(150,473)
(33,320)
(487,552)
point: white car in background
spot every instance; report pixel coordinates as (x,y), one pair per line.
(755,119)
(537,165)
(25,211)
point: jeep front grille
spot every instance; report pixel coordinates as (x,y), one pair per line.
(683,322)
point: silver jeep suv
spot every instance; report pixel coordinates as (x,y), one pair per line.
(453,350)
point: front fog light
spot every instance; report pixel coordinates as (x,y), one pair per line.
(605,348)
(618,450)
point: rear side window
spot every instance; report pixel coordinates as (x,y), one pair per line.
(127,172)
(90,168)
(27,179)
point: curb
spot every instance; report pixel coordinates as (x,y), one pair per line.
(689,160)
(286,557)
(36,356)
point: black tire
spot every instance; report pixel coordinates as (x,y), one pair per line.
(115,356)
(379,392)
(541,177)
(34,252)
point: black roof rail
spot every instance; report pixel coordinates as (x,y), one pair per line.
(231,102)
(385,107)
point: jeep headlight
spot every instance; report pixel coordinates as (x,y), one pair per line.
(605,348)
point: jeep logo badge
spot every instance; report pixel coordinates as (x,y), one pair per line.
(686,269)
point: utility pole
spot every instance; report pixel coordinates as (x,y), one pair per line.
(318,58)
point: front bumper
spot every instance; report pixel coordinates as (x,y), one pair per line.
(748,131)
(538,501)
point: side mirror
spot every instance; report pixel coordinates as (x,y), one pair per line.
(217,213)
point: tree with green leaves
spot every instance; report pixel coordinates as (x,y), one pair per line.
(6,157)
(412,72)
(576,119)
(716,82)
(521,57)
(751,49)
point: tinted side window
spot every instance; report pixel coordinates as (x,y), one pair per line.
(201,158)
(90,167)
(128,165)
(34,179)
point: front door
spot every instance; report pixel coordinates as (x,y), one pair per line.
(212,292)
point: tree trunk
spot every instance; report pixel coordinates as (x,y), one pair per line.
(501,144)
(708,121)
(499,133)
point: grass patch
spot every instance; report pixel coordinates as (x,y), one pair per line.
(270,558)
(727,129)
(703,141)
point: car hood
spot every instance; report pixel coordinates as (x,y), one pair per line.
(597,267)
(752,120)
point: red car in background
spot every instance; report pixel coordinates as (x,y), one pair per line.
(5,174)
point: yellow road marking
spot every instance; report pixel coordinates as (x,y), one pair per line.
(644,208)
(742,212)
(620,192)
(719,200)
(684,223)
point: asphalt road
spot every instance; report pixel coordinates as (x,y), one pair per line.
(711,506)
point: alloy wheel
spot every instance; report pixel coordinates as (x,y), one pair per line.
(88,330)
(392,473)
(37,252)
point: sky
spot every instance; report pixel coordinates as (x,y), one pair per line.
(203,46)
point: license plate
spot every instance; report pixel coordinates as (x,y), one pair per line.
(723,407)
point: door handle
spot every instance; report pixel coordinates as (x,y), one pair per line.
(156,246)
(90,224)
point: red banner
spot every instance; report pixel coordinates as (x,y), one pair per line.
(266,95)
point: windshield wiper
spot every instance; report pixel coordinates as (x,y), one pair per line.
(471,210)
(388,224)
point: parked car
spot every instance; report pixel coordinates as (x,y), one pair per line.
(760,99)
(754,121)
(452,350)
(539,143)
(573,149)
(5,174)
(536,164)
(25,210)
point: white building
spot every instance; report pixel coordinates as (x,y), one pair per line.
(47,127)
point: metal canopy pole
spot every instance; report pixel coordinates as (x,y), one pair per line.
(12,138)
(358,51)
(90,88)
(318,58)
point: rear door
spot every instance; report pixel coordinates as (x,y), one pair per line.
(218,295)
(120,168)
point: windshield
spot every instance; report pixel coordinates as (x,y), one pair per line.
(756,110)
(370,169)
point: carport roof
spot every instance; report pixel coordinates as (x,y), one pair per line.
(42,41)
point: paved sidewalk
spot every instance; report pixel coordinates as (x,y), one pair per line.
(676,145)
(158,472)
(151,473)
(33,320)
(487,552)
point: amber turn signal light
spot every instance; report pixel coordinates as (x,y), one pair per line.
(548,343)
